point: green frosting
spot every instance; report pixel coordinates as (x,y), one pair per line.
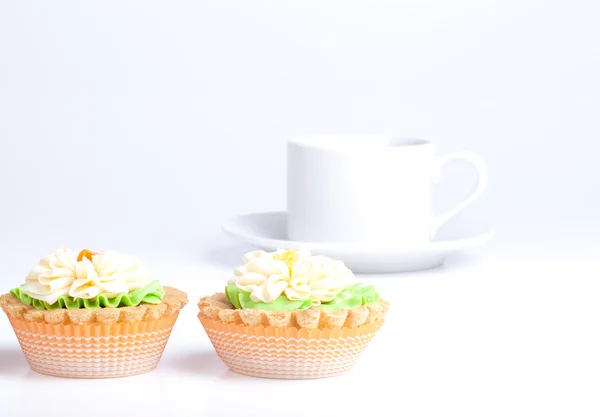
(241,299)
(151,294)
(357,295)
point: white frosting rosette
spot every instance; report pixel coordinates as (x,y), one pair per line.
(52,277)
(293,273)
(63,274)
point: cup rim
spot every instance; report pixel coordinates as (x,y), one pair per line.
(362,142)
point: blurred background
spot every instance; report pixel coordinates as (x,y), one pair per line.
(141,125)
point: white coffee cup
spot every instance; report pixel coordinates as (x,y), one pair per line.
(368,189)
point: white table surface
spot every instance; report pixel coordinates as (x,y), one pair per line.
(500,332)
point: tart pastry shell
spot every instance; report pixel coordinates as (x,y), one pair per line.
(103,346)
(172,302)
(289,347)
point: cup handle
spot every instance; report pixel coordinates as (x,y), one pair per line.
(482,181)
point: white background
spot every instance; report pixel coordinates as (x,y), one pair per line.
(141,125)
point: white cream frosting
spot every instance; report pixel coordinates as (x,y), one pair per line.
(295,274)
(107,273)
(52,277)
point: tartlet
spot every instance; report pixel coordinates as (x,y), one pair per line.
(290,315)
(95,315)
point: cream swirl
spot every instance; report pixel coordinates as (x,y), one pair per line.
(319,278)
(64,273)
(295,274)
(109,273)
(52,277)
(263,276)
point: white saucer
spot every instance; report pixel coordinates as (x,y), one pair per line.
(268,231)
